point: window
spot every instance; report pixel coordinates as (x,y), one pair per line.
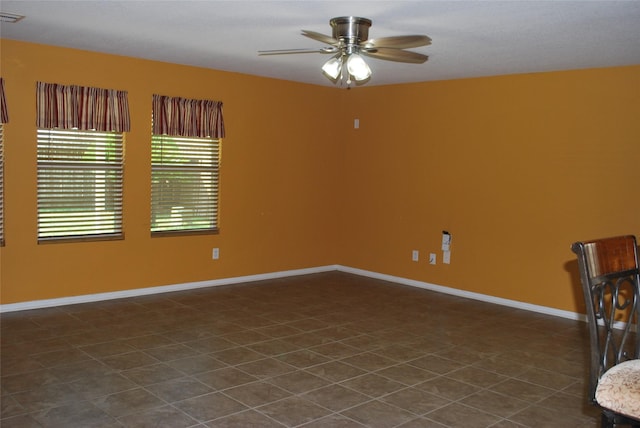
(79,184)
(185,161)
(80,161)
(184,184)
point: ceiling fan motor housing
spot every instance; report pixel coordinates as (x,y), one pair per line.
(350,29)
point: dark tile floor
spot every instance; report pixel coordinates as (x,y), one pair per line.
(322,350)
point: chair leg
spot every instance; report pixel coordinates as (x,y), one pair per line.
(607,420)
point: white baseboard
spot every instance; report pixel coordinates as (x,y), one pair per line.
(467,294)
(73,300)
(47,303)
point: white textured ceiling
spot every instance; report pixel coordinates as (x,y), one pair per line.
(470,38)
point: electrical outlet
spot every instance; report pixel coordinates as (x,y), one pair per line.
(432,258)
(415,255)
(215,254)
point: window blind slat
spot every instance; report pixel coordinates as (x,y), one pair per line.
(80,182)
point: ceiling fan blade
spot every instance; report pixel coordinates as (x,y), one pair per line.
(391,54)
(297,51)
(320,37)
(399,42)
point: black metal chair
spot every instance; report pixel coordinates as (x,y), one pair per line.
(610,276)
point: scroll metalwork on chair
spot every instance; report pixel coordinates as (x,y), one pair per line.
(610,277)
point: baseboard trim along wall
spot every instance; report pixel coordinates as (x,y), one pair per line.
(73,300)
(467,294)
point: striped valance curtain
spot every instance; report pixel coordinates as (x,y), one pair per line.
(81,107)
(4,114)
(187,118)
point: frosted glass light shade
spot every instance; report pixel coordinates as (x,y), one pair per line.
(357,67)
(332,67)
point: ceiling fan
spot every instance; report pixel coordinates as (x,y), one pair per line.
(350,41)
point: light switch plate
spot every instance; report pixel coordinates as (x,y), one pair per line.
(446,242)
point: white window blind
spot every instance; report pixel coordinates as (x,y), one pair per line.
(79,184)
(184,184)
(1,185)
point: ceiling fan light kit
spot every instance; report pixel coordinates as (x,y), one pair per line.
(333,67)
(350,42)
(357,67)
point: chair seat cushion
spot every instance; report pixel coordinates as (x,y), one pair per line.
(619,389)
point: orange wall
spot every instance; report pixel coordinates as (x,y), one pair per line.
(499,162)
(516,168)
(277,179)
